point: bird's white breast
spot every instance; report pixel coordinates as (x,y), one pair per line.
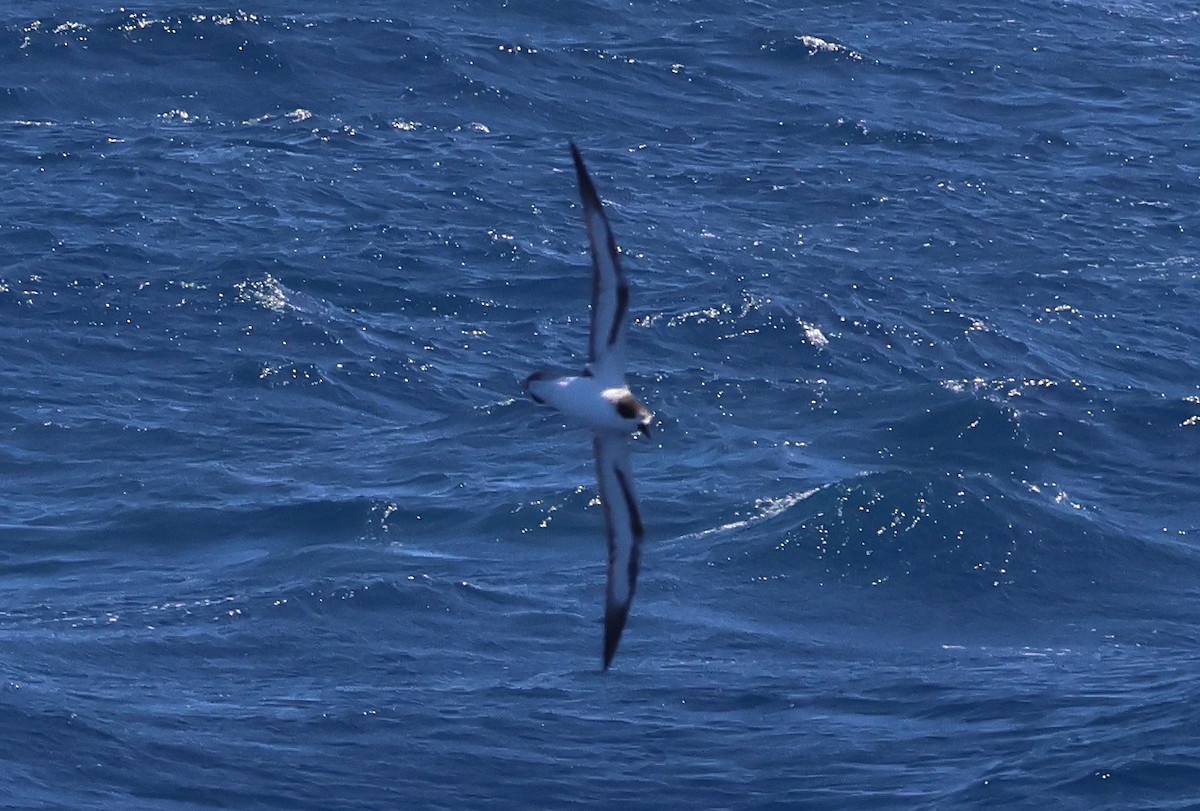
(584,400)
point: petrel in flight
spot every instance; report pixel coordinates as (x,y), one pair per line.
(599,399)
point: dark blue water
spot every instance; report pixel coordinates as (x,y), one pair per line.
(916,290)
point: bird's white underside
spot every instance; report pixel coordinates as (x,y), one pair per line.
(585,401)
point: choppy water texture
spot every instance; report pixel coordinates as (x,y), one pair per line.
(916,300)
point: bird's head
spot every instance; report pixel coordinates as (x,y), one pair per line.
(629,408)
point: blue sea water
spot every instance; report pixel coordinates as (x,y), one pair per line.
(915,289)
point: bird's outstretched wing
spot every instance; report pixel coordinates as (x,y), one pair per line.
(624,534)
(610,290)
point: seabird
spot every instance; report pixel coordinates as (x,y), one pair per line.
(599,399)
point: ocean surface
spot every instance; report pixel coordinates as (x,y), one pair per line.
(916,302)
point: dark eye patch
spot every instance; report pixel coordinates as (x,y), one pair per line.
(627,408)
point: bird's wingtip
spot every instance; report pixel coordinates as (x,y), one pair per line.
(580,168)
(614,624)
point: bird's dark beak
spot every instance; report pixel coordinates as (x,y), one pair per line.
(644,427)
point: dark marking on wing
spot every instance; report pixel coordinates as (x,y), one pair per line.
(622,306)
(593,309)
(586,188)
(635,519)
(614,624)
(621,527)
(607,243)
(615,617)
